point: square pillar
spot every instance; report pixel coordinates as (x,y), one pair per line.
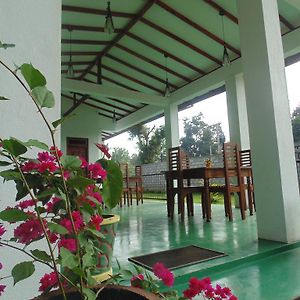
(171,126)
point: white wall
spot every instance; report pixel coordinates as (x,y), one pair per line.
(85,124)
(35,27)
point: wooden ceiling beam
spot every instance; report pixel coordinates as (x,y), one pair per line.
(84,42)
(286,22)
(152,62)
(181,41)
(218,8)
(130,24)
(84,103)
(75,105)
(85,28)
(75,63)
(197,26)
(81,53)
(132,79)
(95,11)
(164,52)
(139,70)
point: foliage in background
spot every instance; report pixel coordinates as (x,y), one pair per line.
(120,155)
(200,138)
(151,143)
(296,124)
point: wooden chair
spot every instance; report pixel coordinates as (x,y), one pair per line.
(126,192)
(178,161)
(246,162)
(136,184)
(233,180)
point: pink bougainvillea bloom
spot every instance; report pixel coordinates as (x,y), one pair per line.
(96,171)
(189,294)
(233,297)
(104,150)
(2,287)
(1,266)
(29,166)
(136,280)
(48,281)
(69,244)
(47,166)
(25,204)
(2,229)
(67,174)
(45,156)
(53,237)
(164,274)
(84,163)
(59,152)
(96,221)
(50,204)
(78,222)
(28,231)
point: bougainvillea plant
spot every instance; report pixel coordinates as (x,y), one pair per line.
(59,198)
(161,285)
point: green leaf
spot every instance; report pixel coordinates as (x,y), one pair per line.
(14,147)
(4,163)
(96,233)
(112,185)
(42,255)
(22,190)
(37,144)
(79,182)
(86,211)
(13,215)
(70,162)
(32,76)
(43,96)
(58,122)
(54,227)
(3,98)
(89,294)
(88,260)
(47,193)
(22,271)
(68,259)
(10,175)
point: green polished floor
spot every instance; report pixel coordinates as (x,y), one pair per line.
(253,269)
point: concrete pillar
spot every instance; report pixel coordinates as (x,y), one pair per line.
(35,28)
(275,176)
(237,110)
(171,126)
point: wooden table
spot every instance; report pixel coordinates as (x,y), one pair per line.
(200,173)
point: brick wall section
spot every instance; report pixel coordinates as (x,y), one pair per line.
(154,179)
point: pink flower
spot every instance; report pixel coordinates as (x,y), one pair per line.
(52,237)
(2,287)
(50,205)
(29,166)
(2,229)
(48,281)
(136,280)
(96,171)
(45,157)
(78,221)
(164,274)
(104,150)
(91,193)
(47,165)
(69,244)
(25,204)
(67,174)
(96,221)
(232,297)
(28,231)
(84,163)
(59,152)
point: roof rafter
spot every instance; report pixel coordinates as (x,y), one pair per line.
(84,42)
(130,24)
(197,26)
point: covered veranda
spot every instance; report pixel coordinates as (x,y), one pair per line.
(120,80)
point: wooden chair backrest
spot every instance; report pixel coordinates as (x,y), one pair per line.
(125,173)
(178,159)
(138,171)
(231,161)
(245,158)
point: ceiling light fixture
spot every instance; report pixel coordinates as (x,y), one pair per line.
(225,59)
(70,71)
(167,87)
(109,24)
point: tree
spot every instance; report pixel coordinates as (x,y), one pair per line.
(296,124)
(201,138)
(151,142)
(120,155)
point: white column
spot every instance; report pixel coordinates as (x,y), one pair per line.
(237,110)
(275,177)
(171,126)
(35,28)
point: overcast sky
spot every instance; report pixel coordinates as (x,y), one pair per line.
(213,115)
